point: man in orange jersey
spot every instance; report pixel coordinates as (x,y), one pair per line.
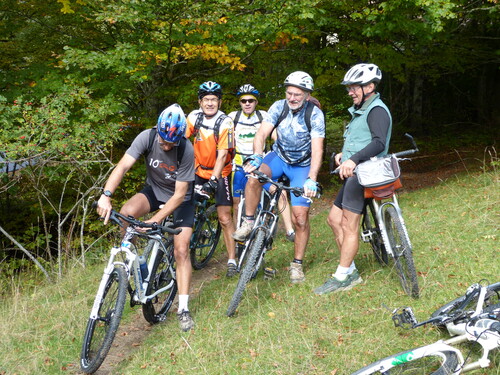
(213,153)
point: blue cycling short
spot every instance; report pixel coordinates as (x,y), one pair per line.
(296,174)
(240,181)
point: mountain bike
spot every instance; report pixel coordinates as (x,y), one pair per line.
(206,230)
(384,228)
(473,317)
(260,239)
(153,285)
(265,198)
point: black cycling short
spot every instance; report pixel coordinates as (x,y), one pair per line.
(183,215)
(351,196)
(223,194)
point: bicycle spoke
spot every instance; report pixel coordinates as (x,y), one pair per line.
(101,331)
(205,237)
(401,247)
(155,310)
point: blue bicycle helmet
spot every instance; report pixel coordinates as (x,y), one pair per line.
(172,124)
(209,88)
(248,90)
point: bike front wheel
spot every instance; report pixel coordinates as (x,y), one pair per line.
(101,331)
(410,363)
(155,309)
(205,239)
(256,247)
(402,252)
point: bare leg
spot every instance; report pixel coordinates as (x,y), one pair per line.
(227,223)
(350,237)
(284,208)
(335,222)
(300,219)
(183,259)
(236,202)
(137,206)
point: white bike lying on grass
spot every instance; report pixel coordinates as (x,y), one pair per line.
(473,317)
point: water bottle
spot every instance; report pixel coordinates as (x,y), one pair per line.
(143,266)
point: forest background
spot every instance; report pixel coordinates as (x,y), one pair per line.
(79,79)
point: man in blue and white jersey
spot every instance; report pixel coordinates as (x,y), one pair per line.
(297,153)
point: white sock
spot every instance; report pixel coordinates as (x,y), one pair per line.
(290,232)
(352,267)
(233,261)
(183,303)
(341,273)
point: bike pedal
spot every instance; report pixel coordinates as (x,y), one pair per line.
(269,273)
(366,235)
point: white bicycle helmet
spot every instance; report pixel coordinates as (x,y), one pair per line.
(362,74)
(299,79)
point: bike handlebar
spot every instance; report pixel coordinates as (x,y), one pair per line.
(297,191)
(398,155)
(117,218)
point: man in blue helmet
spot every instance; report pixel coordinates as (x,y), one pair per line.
(170,176)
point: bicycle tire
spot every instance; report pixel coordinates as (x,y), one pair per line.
(454,308)
(248,270)
(402,252)
(370,224)
(205,239)
(100,332)
(155,310)
(435,363)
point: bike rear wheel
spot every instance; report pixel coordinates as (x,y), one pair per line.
(402,252)
(100,332)
(371,228)
(458,305)
(435,363)
(256,247)
(155,310)
(205,239)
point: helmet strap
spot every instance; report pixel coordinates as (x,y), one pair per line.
(366,95)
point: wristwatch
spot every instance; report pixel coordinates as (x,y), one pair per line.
(107,193)
(213,178)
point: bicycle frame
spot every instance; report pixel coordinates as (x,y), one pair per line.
(131,263)
(379,207)
(266,219)
(487,339)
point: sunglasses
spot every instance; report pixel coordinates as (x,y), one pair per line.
(245,101)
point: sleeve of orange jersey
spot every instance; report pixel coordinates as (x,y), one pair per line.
(226,135)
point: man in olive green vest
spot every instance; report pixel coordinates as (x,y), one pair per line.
(367,135)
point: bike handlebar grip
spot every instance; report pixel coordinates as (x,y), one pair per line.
(495,327)
(405,153)
(168,229)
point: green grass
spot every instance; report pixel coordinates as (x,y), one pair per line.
(282,328)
